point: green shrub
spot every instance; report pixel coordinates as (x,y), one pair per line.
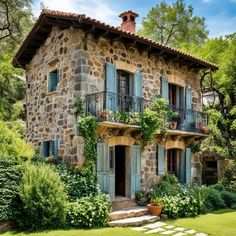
(189,202)
(214,200)
(11,144)
(229,198)
(78,182)
(219,186)
(234,206)
(10,178)
(42,199)
(168,186)
(89,212)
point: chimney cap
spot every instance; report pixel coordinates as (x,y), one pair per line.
(128,13)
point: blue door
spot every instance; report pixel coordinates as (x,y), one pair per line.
(135,164)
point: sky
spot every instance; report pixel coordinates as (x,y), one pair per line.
(220,15)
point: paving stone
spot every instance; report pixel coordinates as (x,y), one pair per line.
(168,232)
(154,225)
(133,221)
(179,234)
(139,229)
(180,229)
(157,230)
(170,227)
(201,234)
(192,231)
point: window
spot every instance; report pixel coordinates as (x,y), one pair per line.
(49,148)
(173,162)
(53,81)
(176,96)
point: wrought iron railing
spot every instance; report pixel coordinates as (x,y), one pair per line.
(114,107)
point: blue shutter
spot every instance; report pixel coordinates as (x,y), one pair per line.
(160,160)
(164,88)
(110,86)
(188,156)
(188,98)
(138,84)
(55,150)
(135,155)
(43,149)
(188,107)
(138,91)
(103,167)
(182,168)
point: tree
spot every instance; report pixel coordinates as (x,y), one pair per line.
(174,25)
(15,16)
(222,139)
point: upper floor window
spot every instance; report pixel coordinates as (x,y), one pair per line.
(176,96)
(124,83)
(53,80)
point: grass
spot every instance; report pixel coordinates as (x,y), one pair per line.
(217,223)
(81,232)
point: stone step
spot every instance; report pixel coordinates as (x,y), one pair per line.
(133,221)
(128,213)
(123,202)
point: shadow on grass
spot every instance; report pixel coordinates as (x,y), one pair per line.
(16,232)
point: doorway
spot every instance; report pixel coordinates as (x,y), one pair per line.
(120,170)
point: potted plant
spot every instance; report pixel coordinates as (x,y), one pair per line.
(174,117)
(141,197)
(155,206)
(104,114)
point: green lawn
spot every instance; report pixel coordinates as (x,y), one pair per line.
(218,223)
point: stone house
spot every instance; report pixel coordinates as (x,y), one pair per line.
(67,55)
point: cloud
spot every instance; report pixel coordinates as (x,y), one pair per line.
(221,25)
(99,10)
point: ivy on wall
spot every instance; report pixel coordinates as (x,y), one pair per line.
(87,127)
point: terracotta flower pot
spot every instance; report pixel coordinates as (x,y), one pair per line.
(154,209)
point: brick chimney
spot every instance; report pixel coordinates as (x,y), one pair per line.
(128,21)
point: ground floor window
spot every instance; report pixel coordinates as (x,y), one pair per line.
(173,162)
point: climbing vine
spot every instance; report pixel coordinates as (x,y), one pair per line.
(87,127)
(78,104)
(153,119)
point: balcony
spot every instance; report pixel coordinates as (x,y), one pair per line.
(125,109)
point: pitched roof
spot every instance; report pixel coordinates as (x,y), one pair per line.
(49,18)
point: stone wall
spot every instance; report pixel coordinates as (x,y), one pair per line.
(80,60)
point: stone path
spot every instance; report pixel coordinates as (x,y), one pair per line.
(165,229)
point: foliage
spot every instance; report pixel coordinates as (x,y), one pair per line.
(185,204)
(229,179)
(89,212)
(79,110)
(42,199)
(88,126)
(168,186)
(174,25)
(11,145)
(222,112)
(10,178)
(179,200)
(229,198)
(214,200)
(78,182)
(142,195)
(15,17)
(153,119)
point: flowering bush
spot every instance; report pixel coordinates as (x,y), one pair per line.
(89,212)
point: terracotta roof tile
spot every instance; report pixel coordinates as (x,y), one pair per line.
(86,19)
